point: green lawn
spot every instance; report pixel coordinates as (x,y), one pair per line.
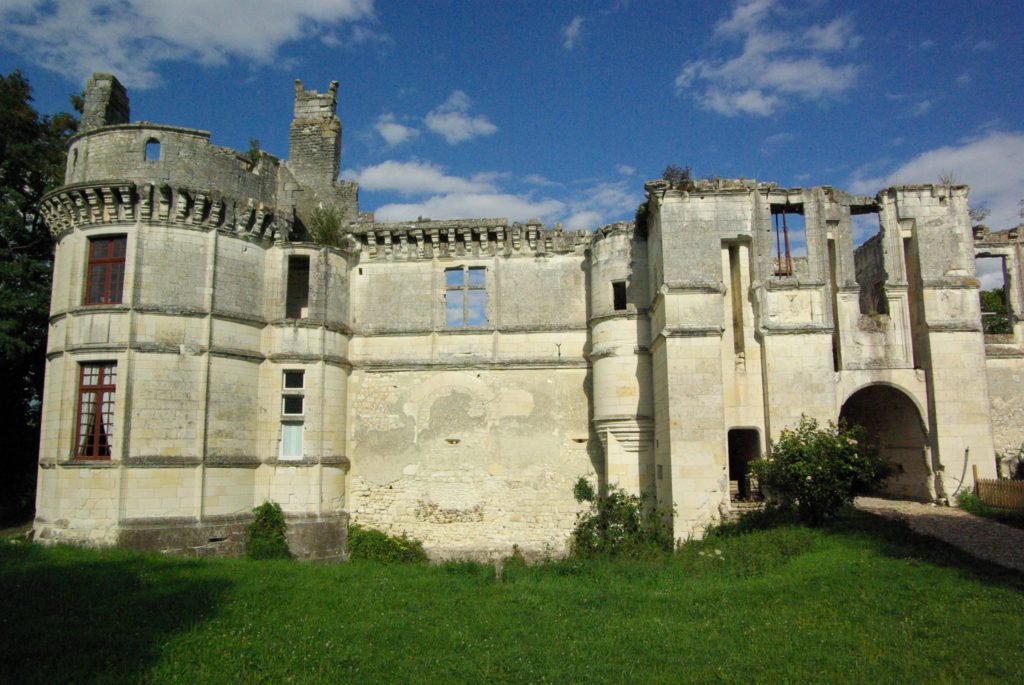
(861,601)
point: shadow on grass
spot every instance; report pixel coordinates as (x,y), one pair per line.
(895,539)
(104,619)
(891,538)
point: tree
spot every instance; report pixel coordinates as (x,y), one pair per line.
(32,155)
(995,317)
(816,470)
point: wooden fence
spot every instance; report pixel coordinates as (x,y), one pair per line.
(1006,494)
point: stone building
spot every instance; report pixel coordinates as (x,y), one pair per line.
(453,379)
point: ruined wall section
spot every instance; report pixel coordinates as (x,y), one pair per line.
(686,338)
(960,427)
(469,433)
(185,159)
(106,103)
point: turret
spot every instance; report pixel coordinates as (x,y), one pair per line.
(314,142)
(106,103)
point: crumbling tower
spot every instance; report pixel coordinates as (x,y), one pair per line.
(106,103)
(314,141)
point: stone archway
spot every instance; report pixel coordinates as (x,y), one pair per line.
(892,419)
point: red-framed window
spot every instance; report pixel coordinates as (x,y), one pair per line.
(95,426)
(104,280)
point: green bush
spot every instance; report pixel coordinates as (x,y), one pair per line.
(618,525)
(816,471)
(373,545)
(266,533)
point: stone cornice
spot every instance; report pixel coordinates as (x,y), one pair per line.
(467,239)
(109,203)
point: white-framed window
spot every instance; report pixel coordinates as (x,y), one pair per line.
(293,408)
(291,439)
(465,297)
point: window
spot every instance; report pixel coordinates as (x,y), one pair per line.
(297,297)
(94,433)
(152,152)
(619,295)
(291,440)
(292,408)
(465,297)
(104,280)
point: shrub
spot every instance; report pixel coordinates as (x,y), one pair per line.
(618,524)
(816,471)
(324,227)
(374,545)
(266,533)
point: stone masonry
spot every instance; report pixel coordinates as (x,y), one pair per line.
(453,379)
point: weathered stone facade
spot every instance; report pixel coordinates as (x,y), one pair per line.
(452,379)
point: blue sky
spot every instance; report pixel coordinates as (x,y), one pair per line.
(561,110)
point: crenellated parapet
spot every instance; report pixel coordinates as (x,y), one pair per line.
(117,202)
(476,237)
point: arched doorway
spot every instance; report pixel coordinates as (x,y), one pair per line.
(892,420)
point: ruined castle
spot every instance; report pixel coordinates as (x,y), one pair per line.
(229,328)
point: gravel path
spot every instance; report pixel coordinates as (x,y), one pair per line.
(978,536)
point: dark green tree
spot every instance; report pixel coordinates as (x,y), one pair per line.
(32,155)
(995,315)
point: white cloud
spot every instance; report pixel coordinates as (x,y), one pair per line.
(467,205)
(132,37)
(625,169)
(571,32)
(538,180)
(993,165)
(393,132)
(774,67)
(921,108)
(964,79)
(413,178)
(983,45)
(927,44)
(451,119)
(602,203)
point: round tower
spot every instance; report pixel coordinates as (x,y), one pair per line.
(197,359)
(623,412)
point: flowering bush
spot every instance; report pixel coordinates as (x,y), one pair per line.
(816,470)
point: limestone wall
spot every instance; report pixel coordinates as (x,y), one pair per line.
(471,461)
(186,158)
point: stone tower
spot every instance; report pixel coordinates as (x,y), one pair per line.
(314,141)
(106,103)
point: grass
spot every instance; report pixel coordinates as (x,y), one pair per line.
(862,600)
(972,504)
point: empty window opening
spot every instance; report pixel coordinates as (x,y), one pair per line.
(744,447)
(104,280)
(865,223)
(297,298)
(790,238)
(869,259)
(996,317)
(292,405)
(152,153)
(619,295)
(736,302)
(465,297)
(294,380)
(95,431)
(74,159)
